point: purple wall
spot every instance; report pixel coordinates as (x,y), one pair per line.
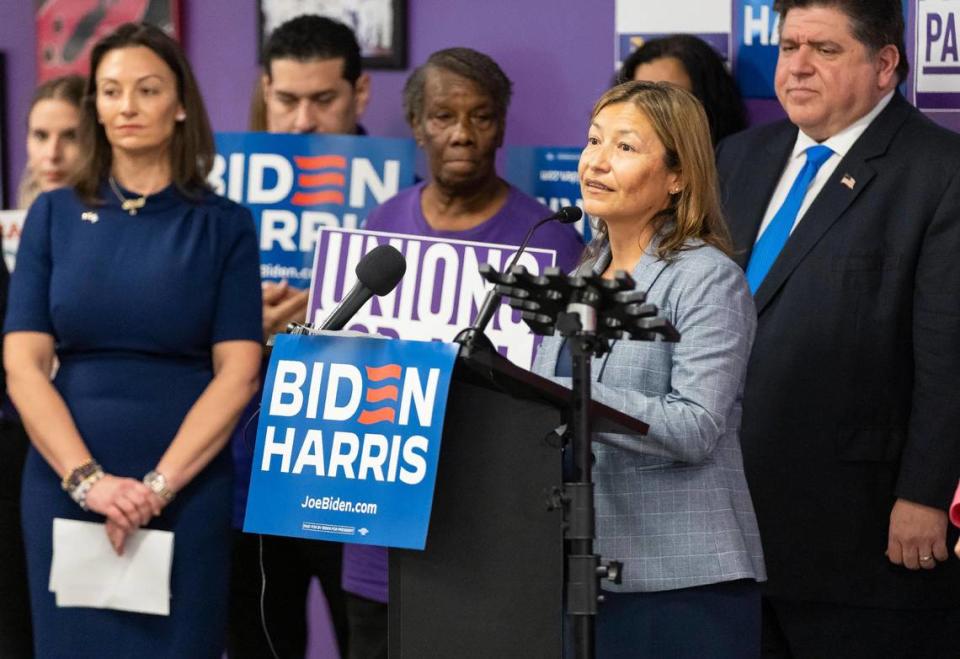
(556,77)
(17,45)
(558,54)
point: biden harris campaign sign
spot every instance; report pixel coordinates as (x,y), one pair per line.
(549,174)
(757,36)
(349,439)
(297,184)
(439,295)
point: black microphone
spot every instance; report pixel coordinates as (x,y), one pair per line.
(378,273)
(566,215)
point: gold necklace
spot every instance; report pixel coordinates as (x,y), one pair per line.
(129,205)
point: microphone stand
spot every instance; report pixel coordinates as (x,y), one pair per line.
(472,339)
(589,312)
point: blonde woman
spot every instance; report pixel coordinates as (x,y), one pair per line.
(52,149)
(52,154)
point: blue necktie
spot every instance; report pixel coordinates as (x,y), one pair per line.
(775,236)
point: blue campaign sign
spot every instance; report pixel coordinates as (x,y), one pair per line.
(548,173)
(757,38)
(296,184)
(349,439)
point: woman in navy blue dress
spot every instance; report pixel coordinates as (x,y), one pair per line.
(145,286)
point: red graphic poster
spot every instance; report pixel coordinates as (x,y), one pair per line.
(68,29)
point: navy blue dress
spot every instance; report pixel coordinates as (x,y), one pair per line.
(135,304)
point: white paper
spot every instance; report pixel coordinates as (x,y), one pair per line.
(86,571)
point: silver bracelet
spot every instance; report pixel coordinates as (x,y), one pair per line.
(80,491)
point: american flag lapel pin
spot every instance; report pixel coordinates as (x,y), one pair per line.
(848,181)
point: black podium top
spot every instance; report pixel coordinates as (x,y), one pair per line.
(487,368)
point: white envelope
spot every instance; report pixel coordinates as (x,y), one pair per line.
(85,570)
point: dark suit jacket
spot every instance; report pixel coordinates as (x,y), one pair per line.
(853,386)
(4,285)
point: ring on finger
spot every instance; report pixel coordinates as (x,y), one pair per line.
(923,559)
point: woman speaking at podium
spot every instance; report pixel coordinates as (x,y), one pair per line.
(673,505)
(145,286)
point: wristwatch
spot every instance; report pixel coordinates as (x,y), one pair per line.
(157,483)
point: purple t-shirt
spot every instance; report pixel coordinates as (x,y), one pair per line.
(365,566)
(402,213)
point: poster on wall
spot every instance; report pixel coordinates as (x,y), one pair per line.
(638,21)
(380,25)
(68,29)
(936,62)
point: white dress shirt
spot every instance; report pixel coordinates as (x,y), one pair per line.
(840,143)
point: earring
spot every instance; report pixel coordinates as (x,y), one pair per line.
(181,116)
(675,191)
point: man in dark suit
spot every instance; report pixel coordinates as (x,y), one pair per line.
(847,220)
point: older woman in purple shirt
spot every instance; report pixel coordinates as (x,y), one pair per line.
(456,105)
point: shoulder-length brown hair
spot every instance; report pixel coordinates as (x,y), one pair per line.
(680,123)
(191,149)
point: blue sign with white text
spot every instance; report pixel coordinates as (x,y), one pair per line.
(297,184)
(756,30)
(549,173)
(349,439)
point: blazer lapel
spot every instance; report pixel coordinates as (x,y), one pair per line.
(646,271)
(644,274)
(836,196)
(649,267)
(747,206)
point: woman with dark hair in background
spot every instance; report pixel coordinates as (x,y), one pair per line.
(691,64)
(52,149)
(145,286)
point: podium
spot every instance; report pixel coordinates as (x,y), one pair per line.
(490,581)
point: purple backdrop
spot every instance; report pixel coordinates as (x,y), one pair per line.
(559,67)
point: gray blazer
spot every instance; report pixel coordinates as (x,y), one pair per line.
(673,505)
